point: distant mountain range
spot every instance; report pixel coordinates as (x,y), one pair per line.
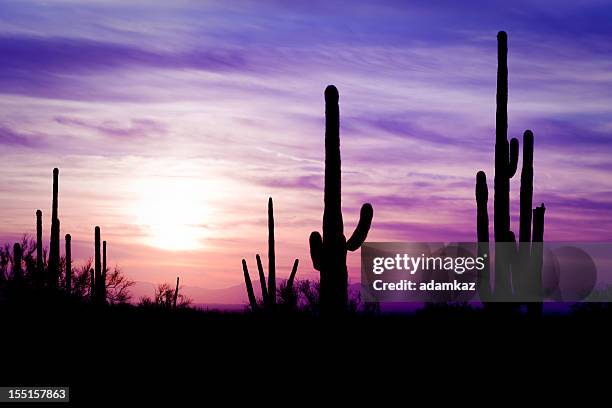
(231,298)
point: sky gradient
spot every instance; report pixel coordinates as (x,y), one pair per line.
(173,124)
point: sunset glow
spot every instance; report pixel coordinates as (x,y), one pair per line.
(173,122)
(172,212)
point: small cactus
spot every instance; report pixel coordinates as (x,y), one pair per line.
(249,286)
(268,291)
(99,294)
(103,277)
(39,245)
(68,264)
(17,260)
(175,293)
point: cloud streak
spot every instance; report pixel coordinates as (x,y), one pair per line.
(225,99)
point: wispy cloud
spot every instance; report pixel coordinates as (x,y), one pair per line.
(225,99)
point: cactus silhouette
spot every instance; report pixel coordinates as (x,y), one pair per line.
(515,272)
(17,260)
(68,279)
(39,246)
(103,276)
(329,252)
(99,296)
(268,291)
(249,286)
(92,285)
(175,293)
(54,243)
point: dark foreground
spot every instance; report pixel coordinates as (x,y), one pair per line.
(109,354)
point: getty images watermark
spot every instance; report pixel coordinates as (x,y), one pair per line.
(491,272)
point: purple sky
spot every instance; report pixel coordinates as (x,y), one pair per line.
(172,124)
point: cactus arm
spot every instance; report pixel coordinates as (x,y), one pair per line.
(538,223)
(482,198)
(292,276)
(514,153)
(316,249)
(521,274)
(482,215)
(363,227)
(249,285)
(271,255)
(262,279)
(482,228)
(536,260)
(526,188)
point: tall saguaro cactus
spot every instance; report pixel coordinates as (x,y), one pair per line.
(68,279)
(54,244)
(516,271)
(329,252)
(268,291)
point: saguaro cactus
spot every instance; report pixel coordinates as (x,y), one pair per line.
(268,291)
(175,293)
(92,285)
(103,277)
(68,279)
(329,252)
(98,284)
(39,245)
(249,286)
(513,274)
(54,243)
(17,260)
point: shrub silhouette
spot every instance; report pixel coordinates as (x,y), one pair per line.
(268,291)
(329,252)
(165,297)
(517,271)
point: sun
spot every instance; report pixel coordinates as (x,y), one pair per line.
(172,212)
